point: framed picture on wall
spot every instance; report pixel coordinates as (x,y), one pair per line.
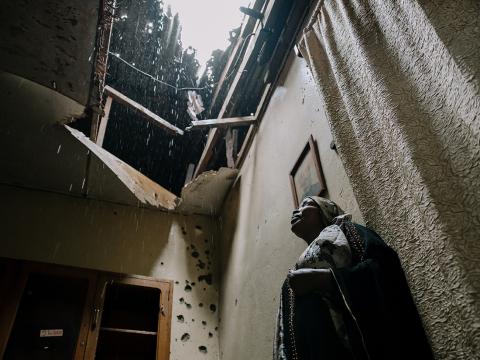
(306,177)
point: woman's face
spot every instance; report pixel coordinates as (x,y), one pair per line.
(306,220)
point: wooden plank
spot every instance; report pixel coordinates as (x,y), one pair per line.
(226,69)
(245,146)
(215,123)
(231,147)
(128,331)
(297,16)
(247,29)
(297,12)
(215,134)
(104,121)
(104,36)
(147,114)
(165,321)
(261,108)
(189,176)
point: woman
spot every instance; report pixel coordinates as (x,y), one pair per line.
(347,297)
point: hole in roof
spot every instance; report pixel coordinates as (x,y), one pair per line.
(160,52)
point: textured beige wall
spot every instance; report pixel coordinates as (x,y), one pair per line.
(401,84)
(258,248)
(91,234)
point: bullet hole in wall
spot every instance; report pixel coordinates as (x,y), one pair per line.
(210,335)
(181,300)
(213,307)
(200,305)
(207,278)
(184,232)
(195,254)
(188,288)
(202,349)
(200,264)
(204,323)
(185,337)
(189,306)
(180,318)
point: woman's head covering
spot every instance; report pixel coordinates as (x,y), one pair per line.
(328,209)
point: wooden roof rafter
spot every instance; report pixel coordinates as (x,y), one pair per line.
(143,111)
(247,83)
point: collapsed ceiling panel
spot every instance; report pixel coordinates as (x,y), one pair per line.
(51,42)
(36,151)
(112,179)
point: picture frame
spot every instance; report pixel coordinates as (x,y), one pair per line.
(306,177)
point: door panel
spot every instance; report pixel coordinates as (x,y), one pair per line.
(134,319)
(48,319)
(58,312)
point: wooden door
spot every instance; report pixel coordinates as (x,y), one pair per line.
(52,314)
(132,319)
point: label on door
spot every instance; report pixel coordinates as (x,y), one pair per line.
(51,333)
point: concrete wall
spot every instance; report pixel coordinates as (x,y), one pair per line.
(257,247)
(73,231)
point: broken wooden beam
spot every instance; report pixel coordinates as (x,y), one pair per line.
(104,121)
(143,111)
(216,123)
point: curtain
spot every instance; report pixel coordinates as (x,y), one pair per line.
(400,83)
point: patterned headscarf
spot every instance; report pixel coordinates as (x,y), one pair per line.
(328,209)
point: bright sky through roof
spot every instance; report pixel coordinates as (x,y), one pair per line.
(206,23)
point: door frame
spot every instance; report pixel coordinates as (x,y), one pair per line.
(164,319)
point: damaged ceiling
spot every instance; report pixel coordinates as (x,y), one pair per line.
(46,75)
(39,152)
(205,194)
(50,42)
